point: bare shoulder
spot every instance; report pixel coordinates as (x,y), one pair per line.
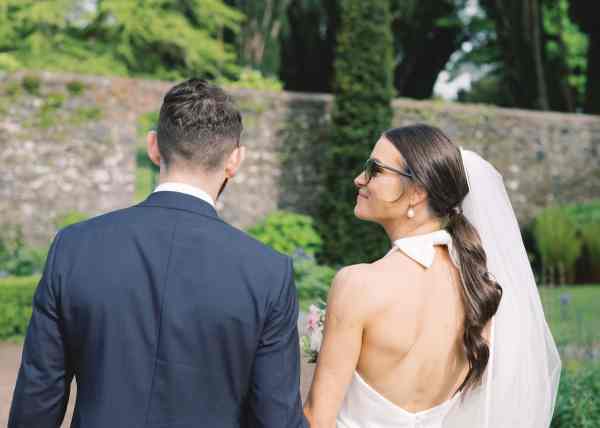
(360,292)
(395,277)
(349,282)
(348,299)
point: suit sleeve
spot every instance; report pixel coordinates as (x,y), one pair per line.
(43,384)
(275,392)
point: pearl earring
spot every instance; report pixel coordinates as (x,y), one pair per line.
(410,213)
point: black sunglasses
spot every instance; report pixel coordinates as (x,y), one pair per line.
(373,167)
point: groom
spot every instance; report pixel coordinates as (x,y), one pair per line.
(165,315)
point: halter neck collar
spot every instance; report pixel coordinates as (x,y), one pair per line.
(421,249)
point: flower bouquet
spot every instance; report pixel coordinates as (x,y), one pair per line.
(311,341)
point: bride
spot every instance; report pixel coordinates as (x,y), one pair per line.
(446,330)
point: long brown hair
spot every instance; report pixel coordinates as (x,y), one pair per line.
(437,166)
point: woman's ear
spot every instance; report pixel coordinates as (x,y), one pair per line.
(418,195)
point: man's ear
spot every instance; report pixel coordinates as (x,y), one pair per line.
(152,148)
(234,161)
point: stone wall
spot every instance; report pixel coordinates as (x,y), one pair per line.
(63,151)
(545,158)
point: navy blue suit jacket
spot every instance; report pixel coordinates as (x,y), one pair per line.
(167,317)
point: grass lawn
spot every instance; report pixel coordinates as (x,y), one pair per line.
(20,280)
(578,322)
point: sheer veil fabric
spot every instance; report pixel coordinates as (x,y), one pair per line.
(521,381)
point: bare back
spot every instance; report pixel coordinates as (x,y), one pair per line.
(412,343)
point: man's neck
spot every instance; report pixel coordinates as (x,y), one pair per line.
(210,185)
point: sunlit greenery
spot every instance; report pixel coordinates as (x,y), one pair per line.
(168,39)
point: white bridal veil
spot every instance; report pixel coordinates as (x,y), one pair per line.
(521,381)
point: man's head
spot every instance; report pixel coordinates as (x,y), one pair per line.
(198,132)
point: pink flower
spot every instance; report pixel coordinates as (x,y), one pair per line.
(313,318)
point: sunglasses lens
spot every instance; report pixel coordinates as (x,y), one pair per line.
(367,170)
(371,169)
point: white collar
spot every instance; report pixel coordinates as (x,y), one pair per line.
(421,249)
(187,189)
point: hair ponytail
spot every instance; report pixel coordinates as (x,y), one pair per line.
(481,295)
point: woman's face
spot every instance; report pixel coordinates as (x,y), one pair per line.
(387,194)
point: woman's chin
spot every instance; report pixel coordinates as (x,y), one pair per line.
(359,212)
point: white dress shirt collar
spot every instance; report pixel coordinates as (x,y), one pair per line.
(187,189)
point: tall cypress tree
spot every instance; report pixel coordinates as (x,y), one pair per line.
(582,13)
(363,90)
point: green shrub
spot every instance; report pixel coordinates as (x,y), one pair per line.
(16,258)
(558,244)
(31,84)
(147,122)
(252,79)
(583,214)
(13,90)
(54,101)
(312,280)
(287,231)
(85,114)
(76,87)
(69,218)
(578,402)
(591,237)
(590,233)
(8,62)
(586,217)
(361,113)
(295,235)
(47,116)
(16,296)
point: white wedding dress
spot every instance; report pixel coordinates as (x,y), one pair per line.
(363,406)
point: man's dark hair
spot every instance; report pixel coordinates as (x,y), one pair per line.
(198,124)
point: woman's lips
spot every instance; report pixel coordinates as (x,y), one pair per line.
(360,195)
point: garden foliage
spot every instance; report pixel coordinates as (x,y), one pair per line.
(361,113)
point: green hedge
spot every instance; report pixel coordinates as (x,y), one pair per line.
(566,238)
(361,113)
(16,296)
(16,257)
(578,402)
(584,213)
(558,244)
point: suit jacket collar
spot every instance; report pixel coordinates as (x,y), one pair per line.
(180,201)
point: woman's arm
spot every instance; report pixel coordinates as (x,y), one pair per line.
(347,309)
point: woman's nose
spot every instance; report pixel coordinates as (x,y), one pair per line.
(360,181)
